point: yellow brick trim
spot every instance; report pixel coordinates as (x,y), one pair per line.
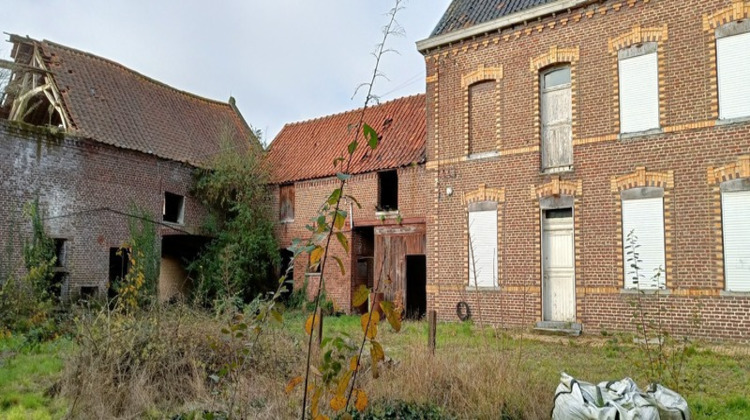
(691,126)
(431,79)
(695,292)
(734,170)
(598,139)
(637,35)
(480,74)
(519,151)
(554,55)
(739,10)
(602,290)
(531,290)
(641,178)
(718,234)
(556,188)
(484,194)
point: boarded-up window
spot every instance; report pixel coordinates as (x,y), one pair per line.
(733,66)
(286,203)
(483,244)
(639,88)
(735,210)
(556,116)
(645,219)
(482,117)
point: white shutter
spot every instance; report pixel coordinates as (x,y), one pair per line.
(646,218)
(483,237)
(733,63)
(735,214)
(639,93)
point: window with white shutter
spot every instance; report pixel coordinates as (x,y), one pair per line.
(483,245)
(639,89)
(645,218)
(733,70)
(735,213)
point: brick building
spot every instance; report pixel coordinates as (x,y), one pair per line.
(555,128)
(94,140)
(387,234)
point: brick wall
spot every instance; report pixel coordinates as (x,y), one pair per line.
(73,178)
(310,195)
(690,143)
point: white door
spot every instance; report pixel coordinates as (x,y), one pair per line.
(558,267)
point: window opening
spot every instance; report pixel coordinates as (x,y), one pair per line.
(388,191)
(639,88)
(558,213)
(174,208)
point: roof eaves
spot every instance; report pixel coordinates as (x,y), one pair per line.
(491,26)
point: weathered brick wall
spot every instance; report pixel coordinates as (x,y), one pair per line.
(74,179)
(310,195)
(691,142)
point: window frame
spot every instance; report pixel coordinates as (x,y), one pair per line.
(741,186)
(543,90)
(284,215)
(643,194)
(180,220)
(723,32)
(633,52)
(481,207)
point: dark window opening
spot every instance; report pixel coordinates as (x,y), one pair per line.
(60,252)
(388,191)
(558,213)
(286,203)
(119,265)
(174,208)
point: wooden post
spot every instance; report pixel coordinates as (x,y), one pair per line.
(433,331)
(319,316)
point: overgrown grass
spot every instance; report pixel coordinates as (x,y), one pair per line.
(474,373)
(27,378)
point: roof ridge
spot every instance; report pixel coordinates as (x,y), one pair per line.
(137,73)
(352,111)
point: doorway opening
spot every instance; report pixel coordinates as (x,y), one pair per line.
(416,286)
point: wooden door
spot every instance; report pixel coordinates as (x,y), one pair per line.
(558,270)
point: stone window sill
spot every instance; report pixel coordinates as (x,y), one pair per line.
(648,292)
(482,155)
(286,221)
(482,289)
(725,293)
(558,170)
(733,121)
(641,134)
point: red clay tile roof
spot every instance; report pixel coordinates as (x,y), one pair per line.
(306,150)
(112,104)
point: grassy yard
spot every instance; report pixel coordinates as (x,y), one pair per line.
(474,373)
(26,374)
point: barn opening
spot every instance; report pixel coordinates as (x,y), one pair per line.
(416,286)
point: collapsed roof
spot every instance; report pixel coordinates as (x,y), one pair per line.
(92,97)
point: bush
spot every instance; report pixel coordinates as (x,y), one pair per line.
(401,410)
(149,363)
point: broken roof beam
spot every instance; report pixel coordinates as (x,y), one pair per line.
(12,65)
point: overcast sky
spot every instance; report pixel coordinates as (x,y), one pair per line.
(283,60)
